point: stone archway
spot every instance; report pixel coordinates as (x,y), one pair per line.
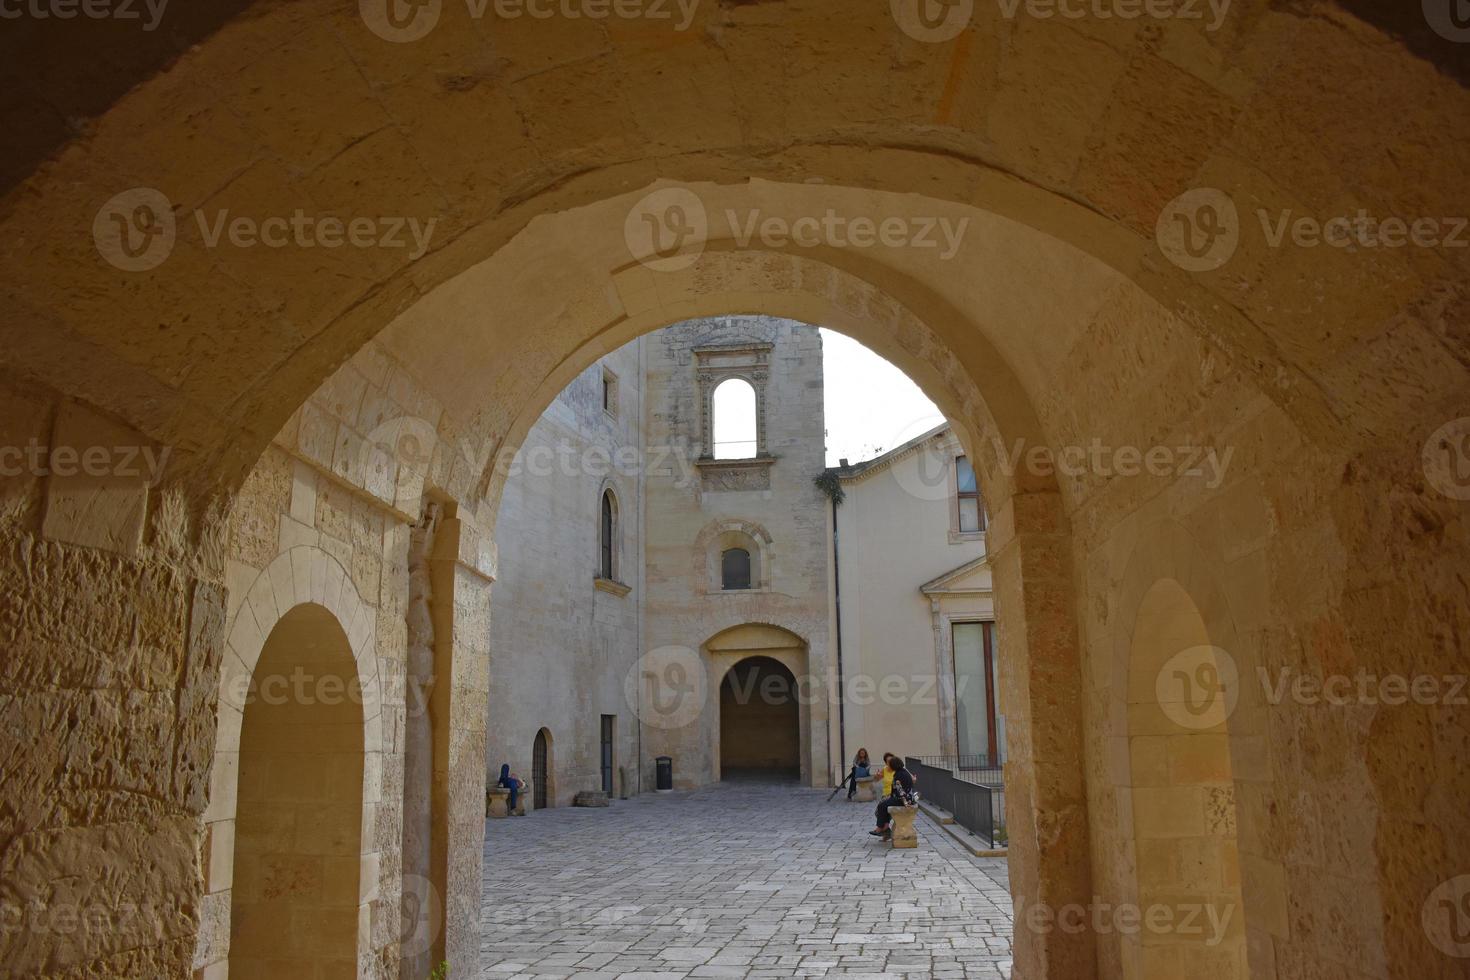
(1181,692)
(760,721)
(298,811)
(299,733)
(782,655)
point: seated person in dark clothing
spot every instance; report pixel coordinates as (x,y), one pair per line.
(902,794)
(512,782)
(860,770)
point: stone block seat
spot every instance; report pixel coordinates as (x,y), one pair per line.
(497,800)
(867,789)
(904,834)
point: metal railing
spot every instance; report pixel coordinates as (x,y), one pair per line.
(973,793)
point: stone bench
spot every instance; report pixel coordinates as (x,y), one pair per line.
(498,797)
(904,834)
(867,789)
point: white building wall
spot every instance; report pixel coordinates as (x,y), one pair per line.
(897,531)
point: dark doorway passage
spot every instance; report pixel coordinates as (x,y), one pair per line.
(608,721)
(540,770)
(760,722)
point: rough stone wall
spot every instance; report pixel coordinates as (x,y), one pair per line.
(683,607)
(110,666)
(562,645)
(1342,810)
(344,480)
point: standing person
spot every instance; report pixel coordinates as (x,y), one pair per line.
(513,783)
(899,793)
(860,770)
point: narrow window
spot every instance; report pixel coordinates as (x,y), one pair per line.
(609,393)
(972,513)
(735,569)
(605,569)
(733,404)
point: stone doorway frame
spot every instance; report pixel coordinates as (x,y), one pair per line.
(300,576)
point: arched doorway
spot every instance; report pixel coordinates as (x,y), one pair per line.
(1182,691)
(541,770)
(760,721)
(295,901)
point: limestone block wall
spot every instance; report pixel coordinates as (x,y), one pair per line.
(323,519)
(562,644)
(688,513)
(896,531)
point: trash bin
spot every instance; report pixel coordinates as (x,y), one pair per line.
(664,774)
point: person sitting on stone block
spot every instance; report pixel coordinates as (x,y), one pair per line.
(513,783)
(860,770)
(898,791)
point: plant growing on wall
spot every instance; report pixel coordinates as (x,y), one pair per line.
(441,972)
(828,482)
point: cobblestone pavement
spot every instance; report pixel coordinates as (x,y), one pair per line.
(740,880)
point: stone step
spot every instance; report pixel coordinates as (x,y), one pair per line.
(975,844)
(590,797)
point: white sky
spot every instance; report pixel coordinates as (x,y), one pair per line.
(871,406)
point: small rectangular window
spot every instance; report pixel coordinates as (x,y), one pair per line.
(967,493)
(609,393)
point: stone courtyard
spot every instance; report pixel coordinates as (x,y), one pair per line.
(737,880)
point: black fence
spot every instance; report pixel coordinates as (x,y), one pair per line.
(968,787)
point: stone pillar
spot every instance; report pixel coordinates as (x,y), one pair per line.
(460,709)
(423,883)
(1041,697)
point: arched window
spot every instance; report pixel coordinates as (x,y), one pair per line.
(607,529)
(735,569)
(733,405)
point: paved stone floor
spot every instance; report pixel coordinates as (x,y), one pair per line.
(740,880)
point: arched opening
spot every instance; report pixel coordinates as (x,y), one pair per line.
(607,537)
(1181,693)
(295,903)
(735,429)
(541,774)
(760,721)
